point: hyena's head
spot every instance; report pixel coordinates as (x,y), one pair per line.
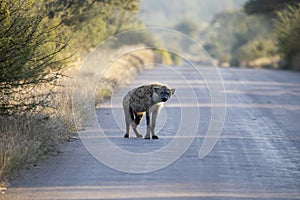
(162,93)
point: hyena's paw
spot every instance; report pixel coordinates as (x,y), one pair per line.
(139,136)
(126,135)
(147,137)
(155,137)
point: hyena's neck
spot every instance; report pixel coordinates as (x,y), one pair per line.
(155,98)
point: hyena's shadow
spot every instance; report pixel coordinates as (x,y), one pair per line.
(114,132)
(112,122)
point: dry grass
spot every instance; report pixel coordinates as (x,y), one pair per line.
(265,62)
(25,138)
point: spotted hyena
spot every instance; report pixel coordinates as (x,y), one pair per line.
(145,99)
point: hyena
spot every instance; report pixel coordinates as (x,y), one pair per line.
(145,99)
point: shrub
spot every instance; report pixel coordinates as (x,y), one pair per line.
(163,57)
(177,60)
(237,37)
(287,31)
(256,49)
(30,47)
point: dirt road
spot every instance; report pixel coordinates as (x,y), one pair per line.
(256,157)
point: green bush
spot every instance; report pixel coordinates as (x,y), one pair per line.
(256,49)
(236,37)
(188,27)
(30,54)
(135,37)
(163,57)
(288,32)
(177,60)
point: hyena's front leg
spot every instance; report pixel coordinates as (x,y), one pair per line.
(127,135)
(155,110)
(147,136)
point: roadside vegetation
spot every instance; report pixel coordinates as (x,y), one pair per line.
(42,46)
(264,34)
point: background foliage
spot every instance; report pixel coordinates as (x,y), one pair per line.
(241,33)
(285,16)
(288,35)
(236,38)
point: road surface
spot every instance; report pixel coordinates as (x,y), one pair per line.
(256,157)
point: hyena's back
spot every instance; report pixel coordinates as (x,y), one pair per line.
(140,99)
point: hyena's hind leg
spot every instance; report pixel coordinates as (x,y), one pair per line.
(136,122)
(138,117)
(127,122)
(134,118)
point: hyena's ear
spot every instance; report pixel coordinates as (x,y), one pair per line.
(156,89)
(173,91)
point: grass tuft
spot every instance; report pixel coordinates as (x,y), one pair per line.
(25,138)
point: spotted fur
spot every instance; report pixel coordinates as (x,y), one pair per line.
(145,99)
